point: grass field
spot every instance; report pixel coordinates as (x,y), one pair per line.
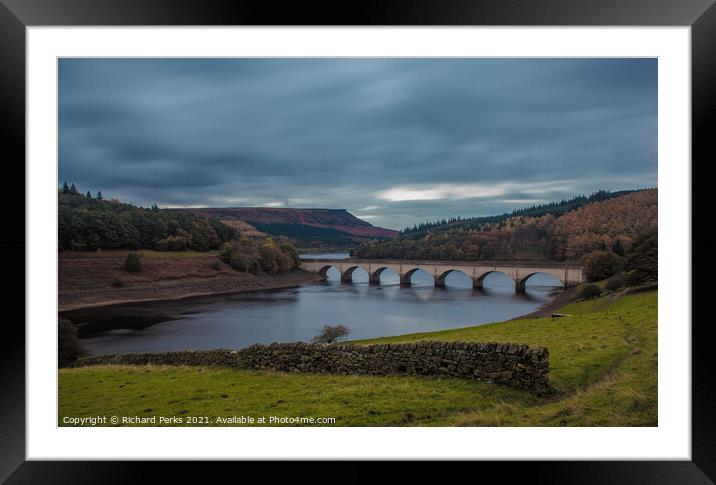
(603,362)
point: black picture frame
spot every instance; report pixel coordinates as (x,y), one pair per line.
(16,15)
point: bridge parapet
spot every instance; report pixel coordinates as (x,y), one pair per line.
(520,272)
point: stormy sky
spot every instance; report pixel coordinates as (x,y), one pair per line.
(395,141)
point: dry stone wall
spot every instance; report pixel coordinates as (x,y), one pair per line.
(504,363)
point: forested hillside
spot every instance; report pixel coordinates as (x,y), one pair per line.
(605,224)
(558,232)
(87,222)
(554,208)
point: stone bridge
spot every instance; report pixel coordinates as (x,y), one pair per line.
(520,272)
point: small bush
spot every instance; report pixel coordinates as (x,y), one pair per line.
(615,282)
(133,264)
(589,291)
(69,347)
(216,266)
(117,283)
(331,334)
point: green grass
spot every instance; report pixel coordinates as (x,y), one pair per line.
(603,365)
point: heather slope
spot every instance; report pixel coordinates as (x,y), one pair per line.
(307,227)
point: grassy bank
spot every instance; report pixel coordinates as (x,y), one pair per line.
(603,359)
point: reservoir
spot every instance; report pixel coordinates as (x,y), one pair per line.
(298,314)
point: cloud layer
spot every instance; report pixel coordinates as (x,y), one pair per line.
(394,140)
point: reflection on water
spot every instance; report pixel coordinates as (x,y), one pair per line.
(298,314)
(325,256)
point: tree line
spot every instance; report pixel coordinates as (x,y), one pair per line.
(481,223)
(90,223)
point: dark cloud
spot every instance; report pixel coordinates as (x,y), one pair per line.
(408,139)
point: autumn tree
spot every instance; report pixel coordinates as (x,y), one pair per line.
(246,255)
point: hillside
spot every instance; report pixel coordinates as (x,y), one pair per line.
(608,224)
(307,227)
(596,226)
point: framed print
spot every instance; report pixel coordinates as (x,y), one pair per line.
(414,233)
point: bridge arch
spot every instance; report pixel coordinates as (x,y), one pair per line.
(374,277)
(406,277)
(324,270)
(440,280)
(521,285)
(347,274)
(479,282)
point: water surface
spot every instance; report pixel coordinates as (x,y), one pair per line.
(297,314)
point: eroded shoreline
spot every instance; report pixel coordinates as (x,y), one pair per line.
(162,279)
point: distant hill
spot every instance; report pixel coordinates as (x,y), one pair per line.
(305,227)
(561,231)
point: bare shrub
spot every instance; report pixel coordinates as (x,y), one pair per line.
(331,334)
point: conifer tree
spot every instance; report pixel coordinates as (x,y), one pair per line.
(617,247)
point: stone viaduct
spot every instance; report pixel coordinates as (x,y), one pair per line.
(520,272)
